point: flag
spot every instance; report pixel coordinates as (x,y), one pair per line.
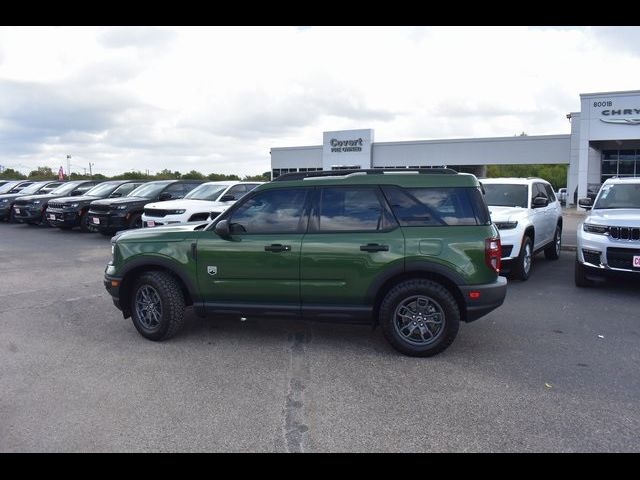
(60,174)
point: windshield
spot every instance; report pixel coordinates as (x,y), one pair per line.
(206,192)
(619,195)
(505,195)
(33,188)
(7,186)
(102,190)
(148,190)
(65,188)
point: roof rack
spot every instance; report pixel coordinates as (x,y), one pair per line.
(371,171)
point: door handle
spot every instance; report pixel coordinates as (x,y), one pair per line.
(276,247)
(374,247)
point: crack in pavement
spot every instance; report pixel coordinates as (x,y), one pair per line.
(295,422)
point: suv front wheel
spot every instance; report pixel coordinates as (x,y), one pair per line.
(419,318)
(157,305)
(552,251)
(522,267)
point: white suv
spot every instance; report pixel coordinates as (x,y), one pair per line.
(529,218)
(609,237)
(205,202)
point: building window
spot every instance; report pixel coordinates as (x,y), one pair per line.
(619,163)
(276,172)
(345,167)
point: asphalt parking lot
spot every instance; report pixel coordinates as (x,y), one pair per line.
(554,369)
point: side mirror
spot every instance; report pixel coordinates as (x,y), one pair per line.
(540,202)
(222,229)
(165,196)
(227,198)
(585,203)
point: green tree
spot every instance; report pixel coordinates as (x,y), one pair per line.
(10,173)
(218,177)
(265,177)
(44,173)
(167,174)
(193,175)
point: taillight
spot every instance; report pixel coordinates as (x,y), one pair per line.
(492,253)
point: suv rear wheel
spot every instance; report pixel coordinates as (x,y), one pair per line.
(419,318)
(522,267)
(157,305)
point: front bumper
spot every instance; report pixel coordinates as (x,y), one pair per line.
(63,218)
(160,221)
(511,241)
(5,210)
(112,284)
(108,221)
(602,254)
(27,214)
(482,299)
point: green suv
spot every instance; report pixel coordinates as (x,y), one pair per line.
(414,252)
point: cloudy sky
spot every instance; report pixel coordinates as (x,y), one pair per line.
(217,99)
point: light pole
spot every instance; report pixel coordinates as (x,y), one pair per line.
(68,167)
(90,173)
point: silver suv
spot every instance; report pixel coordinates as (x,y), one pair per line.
(529,218)
(609,237)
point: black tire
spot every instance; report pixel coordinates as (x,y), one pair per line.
(85,226)
(170,313)
(135,221)
(580,277)
(552,251)
(443,304)
(11,218)
(522,265)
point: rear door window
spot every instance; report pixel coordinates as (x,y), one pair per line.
(353,209)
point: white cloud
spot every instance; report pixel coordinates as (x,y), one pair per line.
(217,99)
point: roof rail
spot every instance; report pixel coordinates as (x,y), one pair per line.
(368,171)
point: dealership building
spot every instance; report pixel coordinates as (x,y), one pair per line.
(604,142)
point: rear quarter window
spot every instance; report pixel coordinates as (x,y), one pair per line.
(451,206)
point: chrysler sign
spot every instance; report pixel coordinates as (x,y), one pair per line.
(617,112)
(338,146)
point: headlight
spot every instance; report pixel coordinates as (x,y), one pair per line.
(592,228)
(36,202)
(506,225)
(175,212)
(121,207)
(73,205)
(4,200)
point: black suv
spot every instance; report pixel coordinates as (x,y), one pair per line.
(68,212)
(7,199)
(32,209)
(110,215)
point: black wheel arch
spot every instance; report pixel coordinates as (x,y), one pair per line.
(412,270)
(136,268)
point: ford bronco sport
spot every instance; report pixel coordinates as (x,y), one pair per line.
(414,252)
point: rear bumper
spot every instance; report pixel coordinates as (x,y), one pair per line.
(489,297)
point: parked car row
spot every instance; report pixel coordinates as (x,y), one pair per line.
(416,254)
(114,205)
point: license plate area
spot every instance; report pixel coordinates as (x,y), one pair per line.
(636,261)
(151,223)
(95,220)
